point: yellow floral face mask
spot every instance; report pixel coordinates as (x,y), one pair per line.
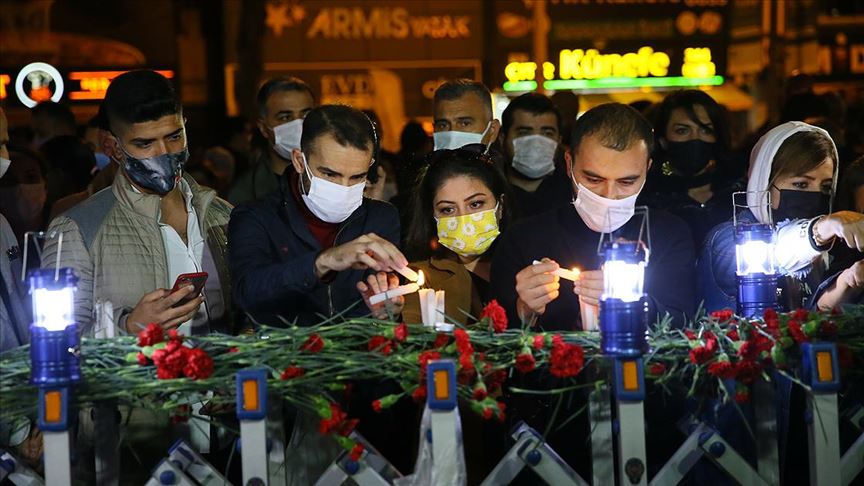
(469,234)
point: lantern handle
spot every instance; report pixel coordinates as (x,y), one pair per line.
(34,236)
(643,239)
(736,205)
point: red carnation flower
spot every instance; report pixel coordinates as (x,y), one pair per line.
(380,343)
(465,361)
(463,342)
(747,370)
(722,369)
(173,335)
(733,335)
(525,362)
(233,349)
(152,334)
(400,332)
(419,394)
(313,344)
(292,372)
(488,413)
(711,343)
(795,331)
(480,392)
(722,315)
(425,357)
(690,334)
(557,340)
(199,364)
(497,316)
(376,406)
(166,374)
(441,340)
(334,423)
(742,396)
(501,408)
(829,328)
(356,452)
(539,342)
(769,314)
(495,380)
(801,314)
(176,359)
(657,369)
(142,359)
(566,360)
(700,355)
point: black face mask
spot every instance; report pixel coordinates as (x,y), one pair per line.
(690,157)
(801,205)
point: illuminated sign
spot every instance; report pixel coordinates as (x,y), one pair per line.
(39,82)
(43,83)
(589,69)
(93,84)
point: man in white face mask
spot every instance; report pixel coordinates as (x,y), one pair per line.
(306,250)
(463,115)
(607,167)
(531,134)
(283,102)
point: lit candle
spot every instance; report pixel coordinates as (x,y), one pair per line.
(572,274)
(398,291)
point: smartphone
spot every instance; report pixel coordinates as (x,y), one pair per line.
(197,280)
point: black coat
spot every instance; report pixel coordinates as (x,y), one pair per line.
(272,257)
(562,236)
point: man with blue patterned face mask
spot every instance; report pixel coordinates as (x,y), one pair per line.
(463,116)
(128,243)
(530,136)
(283,103)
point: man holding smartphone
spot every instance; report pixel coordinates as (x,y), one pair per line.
(130,242)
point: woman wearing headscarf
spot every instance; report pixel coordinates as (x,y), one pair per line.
(793,176)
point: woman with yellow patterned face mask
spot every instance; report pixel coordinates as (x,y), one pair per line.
(460,207)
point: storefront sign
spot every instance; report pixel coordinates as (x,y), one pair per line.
(591,69)
(39,81)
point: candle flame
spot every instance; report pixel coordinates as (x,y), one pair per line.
(576,272)
(421,279)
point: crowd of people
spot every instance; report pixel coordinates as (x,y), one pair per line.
(289,215)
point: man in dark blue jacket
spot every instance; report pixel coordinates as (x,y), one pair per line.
(304,252)
(607,165)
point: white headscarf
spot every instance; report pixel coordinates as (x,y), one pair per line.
(762,158)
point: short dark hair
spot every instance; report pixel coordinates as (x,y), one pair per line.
(686,99)
(138,96)
(534,103)
(440,166)
(59,114)
(349,126)
(457,88)
(276,85)
(617,126)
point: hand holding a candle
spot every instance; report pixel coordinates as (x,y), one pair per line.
(536,285)
(378,283)
(367,251)
(589,286)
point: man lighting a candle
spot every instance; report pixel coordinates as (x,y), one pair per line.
(607,165)
(305,250)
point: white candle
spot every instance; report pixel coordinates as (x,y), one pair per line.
(398,291)
(572,274)
(590,316)
(439,306)
(393,293)
(409,274)
(425,308)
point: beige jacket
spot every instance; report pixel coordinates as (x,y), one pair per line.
(113,243)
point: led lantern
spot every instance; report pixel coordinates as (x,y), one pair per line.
(623,307)
(756,269)
(54,340)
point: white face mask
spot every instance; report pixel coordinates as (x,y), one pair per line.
(4,166)
(452,140)
(601,214)
(331,202)
(534,156)
(288,137)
